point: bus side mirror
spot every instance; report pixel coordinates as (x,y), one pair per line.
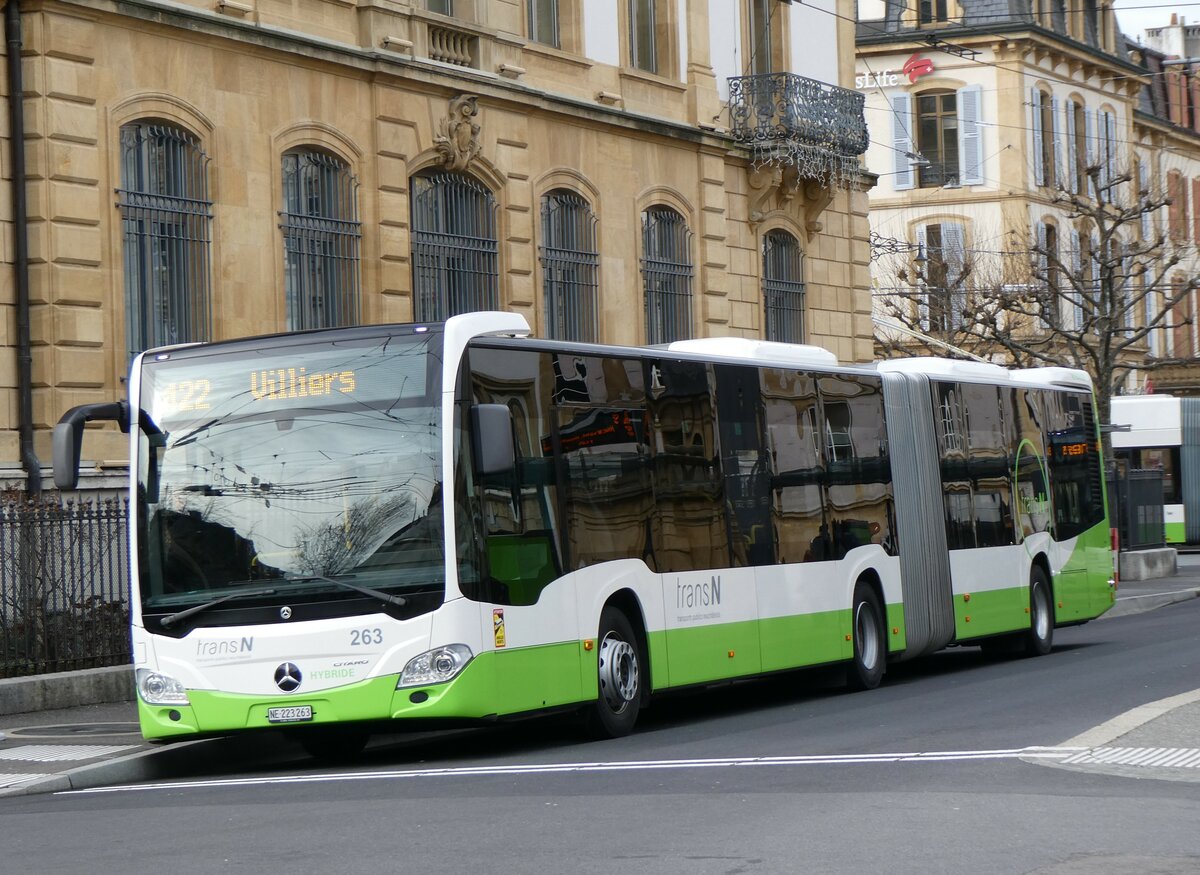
(67,438)
(492,439)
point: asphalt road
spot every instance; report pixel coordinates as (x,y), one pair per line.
(936,771)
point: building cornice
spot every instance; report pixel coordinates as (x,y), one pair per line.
(970,36)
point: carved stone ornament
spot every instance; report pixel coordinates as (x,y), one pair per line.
(457,140)
(785,181)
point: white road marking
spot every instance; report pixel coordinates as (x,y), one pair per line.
(1057,753)
(13,780)
(50,753)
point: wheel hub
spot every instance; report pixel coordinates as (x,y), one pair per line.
(618,672)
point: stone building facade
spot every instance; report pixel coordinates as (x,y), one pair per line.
(985,118)
(223,168)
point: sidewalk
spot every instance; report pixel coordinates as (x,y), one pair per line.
(85,746)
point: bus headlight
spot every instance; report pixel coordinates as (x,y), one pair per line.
(160,689)
(435,666)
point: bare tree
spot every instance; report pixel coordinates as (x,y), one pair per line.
(1079,302)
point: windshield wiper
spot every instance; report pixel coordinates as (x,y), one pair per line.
(398,600)
(171,619)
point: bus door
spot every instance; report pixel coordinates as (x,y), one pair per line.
(710,607)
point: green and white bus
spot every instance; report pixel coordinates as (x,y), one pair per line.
(344,529)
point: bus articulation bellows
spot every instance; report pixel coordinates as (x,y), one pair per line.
(341,529)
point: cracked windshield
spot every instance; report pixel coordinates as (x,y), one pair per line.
(300,462)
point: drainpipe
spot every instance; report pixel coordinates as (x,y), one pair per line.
(16,121)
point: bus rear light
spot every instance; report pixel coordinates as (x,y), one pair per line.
(1115,541)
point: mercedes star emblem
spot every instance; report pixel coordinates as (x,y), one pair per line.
(288,677)
(285,612)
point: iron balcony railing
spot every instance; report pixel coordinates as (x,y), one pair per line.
(791,119)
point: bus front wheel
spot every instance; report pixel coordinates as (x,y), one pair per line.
(870,643)
(619,667)
(1040,637)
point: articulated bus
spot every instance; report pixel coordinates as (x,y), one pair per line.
(1163,432)
(341,530)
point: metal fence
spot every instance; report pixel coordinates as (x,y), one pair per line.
(1135,499)
(64,585)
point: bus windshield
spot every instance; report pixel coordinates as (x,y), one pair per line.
(287,468)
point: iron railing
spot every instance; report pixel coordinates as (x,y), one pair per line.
(454,248)
(64,586)
(783,287)
(667,275)
(570,263)
(165,219)
(789,119)
(321,234)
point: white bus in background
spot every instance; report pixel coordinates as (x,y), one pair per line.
(1163,432)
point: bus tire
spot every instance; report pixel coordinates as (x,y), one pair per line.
(620,676)
(870,642)
(1039,639)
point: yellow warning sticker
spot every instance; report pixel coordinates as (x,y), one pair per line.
(498,625)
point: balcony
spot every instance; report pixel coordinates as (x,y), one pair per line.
(785,119)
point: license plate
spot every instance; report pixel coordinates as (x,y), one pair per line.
(291,714)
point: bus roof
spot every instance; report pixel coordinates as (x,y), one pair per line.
(759,350)
(1152,420)
(958,369)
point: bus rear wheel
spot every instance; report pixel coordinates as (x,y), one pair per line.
(870,643)
(619,676)
(1040,637)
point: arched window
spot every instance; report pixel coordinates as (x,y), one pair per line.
(570,264)
(666,275)
(321,234)
(454,247)
(165,218)
(783,287)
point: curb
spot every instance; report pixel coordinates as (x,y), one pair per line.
(67,689)
(1140,604)
(162,763)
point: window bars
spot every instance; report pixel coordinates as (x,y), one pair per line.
(321,234)
(783,287)
(570,265)
(165,219)
(666,275)
(454,248)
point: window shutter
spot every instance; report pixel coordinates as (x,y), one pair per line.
(1072,168)
(1095,305)
(1035,107)
(1046,297)
(922,299)
(1076,280)
(1110,137)
(1102,144)
(1196,210)
(1144,186)
(1059,178)
(1089,148)
(970,142)
(902,125)
(954,253)
(1148,296)
(1127,294)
